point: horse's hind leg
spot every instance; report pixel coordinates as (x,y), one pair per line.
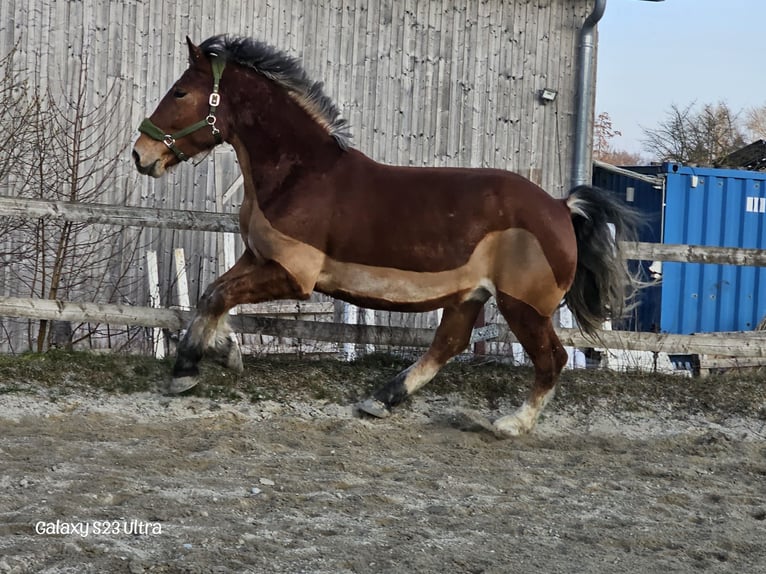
(248,281)
(535,333)
(452,336)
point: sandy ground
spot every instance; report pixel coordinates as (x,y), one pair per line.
(104,482)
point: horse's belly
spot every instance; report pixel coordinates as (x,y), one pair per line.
(511,261)
(395,289)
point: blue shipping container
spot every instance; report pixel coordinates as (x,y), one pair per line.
(702,206)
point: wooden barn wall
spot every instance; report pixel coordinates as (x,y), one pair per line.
(422,82)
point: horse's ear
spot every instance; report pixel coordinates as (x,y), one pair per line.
(195,54)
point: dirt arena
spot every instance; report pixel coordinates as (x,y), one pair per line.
(273,472)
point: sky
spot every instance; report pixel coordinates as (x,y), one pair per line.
(652,55)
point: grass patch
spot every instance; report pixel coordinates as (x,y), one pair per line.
(487,383)
(67,371)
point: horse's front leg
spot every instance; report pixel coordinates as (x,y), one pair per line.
(248,281)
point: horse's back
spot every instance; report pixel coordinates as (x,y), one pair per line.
(432,235)
(448,211)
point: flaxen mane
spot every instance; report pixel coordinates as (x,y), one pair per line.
(287,71)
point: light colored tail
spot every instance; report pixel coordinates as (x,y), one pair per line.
(603,287)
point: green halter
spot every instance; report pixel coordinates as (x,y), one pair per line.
(147,126)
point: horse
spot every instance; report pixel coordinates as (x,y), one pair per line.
(319,215)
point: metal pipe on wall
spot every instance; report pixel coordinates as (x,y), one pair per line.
(586,83)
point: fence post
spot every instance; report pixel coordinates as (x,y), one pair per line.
(182,283)
(158,341)
(368,315)
(350,317)
(576,356)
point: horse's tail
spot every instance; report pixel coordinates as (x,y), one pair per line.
(603,287)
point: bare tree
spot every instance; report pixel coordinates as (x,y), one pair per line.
(19,135)
(603,134)
(67,148)
(755,122)
(695,137)
(603,150)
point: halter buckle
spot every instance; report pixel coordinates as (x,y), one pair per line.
(211,119)
(168,140)
(214,100)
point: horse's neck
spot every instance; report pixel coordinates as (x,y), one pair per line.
(273,147)
(285,129)
(269,167)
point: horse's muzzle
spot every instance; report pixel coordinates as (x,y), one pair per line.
(144,169)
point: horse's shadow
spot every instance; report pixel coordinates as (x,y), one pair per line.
(469,421)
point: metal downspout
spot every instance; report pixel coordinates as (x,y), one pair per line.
(585,94)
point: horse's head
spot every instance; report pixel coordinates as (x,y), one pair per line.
(187,121)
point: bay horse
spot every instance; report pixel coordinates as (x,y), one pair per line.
(318,215)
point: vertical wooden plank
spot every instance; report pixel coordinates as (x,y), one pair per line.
(152,273)
(393,86)
(331,64)
(419,81)
(480,92)
(430,56)
(456,103)
(516,134)
(368,318)
(182,282)
(467,123)
(490,107)
(7,25)
(350,317)
(381,43)
(219,188)
(444,83)
(553,168)
(408,109)
(358,73)
(346,97)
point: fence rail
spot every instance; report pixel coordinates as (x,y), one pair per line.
(750,345)
(119,215)
(229,222)
(745,345)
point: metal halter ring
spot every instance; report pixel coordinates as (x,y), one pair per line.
(211,119)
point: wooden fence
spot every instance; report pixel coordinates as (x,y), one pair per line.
(749,344)
(741,344)
(229,222)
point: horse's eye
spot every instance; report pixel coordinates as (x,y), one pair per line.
(177,93)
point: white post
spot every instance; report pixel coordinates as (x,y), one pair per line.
(182,283)
(350,317)
(369,319)
(576,356)
(154,301)
(228,258)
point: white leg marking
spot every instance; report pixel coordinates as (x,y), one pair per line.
(419,374)
(234,358)
(525,418)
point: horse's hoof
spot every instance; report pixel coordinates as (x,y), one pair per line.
(178,385)
(228,354)
(374,407)
(509,427)
(234,361)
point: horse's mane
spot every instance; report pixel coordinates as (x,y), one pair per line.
(286,71)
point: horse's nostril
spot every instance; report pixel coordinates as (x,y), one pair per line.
(144,169)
